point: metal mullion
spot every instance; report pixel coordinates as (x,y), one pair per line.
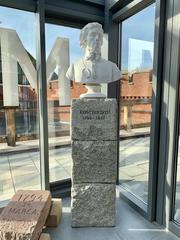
(115,4)
(77,15)
(42,92)
(174,118)
(175,152)
(156,106)
(130,9)
(113,55)
(64,23)
(28,5)
(118,98)
(171,117)
(160,208)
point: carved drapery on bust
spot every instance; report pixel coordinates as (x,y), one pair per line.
(93,69)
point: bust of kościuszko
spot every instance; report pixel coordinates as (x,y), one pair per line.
(92,68)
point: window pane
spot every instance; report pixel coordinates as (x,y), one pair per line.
(135,100)
(177,199)
(62,49)
(19,134)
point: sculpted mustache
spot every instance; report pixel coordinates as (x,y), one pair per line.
(94,47)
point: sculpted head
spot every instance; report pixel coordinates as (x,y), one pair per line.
(91,38)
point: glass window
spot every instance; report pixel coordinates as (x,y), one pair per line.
(135,101)
(177,193)
(19,131)
(62,49)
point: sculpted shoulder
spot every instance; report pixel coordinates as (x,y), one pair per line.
(105,70)
(111,68)
(73,69)
(103,61)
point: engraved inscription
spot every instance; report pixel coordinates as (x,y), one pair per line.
(30,198)
(94,114)
(24,211)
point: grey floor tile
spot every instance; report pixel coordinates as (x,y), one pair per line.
(129,226)
(165,236)
(68,168)
(27,181)
(20,161)
(58,173)
(19,170)
(19,157)
(65,232)
(64,161)
(132,170)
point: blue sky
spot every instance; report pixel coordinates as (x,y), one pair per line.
(54,31)
(139,26)
(25,25)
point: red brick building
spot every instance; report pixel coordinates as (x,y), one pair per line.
(135,99)
(135,104)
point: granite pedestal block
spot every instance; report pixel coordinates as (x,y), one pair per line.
(94,119)
(94,155)
(93,205)
(94,161)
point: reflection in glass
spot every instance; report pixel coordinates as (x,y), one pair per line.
(177,199)
(135,100)
(19,135)
(62,48)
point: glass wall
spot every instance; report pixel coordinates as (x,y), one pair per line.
(135,101)
(177,193)
(62,49)
(19,131)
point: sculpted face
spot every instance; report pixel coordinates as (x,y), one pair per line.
(93,41)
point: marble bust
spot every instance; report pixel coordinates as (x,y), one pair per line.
(92,69)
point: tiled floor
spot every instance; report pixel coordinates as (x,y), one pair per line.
(22,170)
(129,226)
(134,165)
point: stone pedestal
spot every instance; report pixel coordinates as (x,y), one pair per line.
(94,146)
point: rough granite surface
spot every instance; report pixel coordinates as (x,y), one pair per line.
(25,215)
(94,119)
(94,161)
(93,205)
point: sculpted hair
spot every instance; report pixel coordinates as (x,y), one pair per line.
(84,33)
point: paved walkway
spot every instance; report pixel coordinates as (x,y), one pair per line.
(61,141)
(20,165)
(33,145)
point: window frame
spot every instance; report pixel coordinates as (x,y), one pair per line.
(170,110)
(117,17)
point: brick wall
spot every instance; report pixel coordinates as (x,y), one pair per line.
(57,112)
(140,89)
(136,93)
(140,86)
